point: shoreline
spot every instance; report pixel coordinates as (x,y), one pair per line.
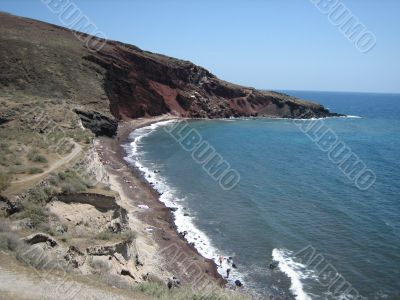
(155,219)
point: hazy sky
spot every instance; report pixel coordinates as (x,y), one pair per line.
(269,44)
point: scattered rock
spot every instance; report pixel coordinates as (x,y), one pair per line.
(75,257)
(138,262)
(115,226)
(273,265)
(173,283)
(125,272)
(11,207)
(29,224)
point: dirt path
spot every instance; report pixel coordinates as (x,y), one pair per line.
(56,165)
(25,183)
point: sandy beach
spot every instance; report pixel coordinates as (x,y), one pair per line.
(161,248)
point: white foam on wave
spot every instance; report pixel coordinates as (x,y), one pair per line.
(294,270)
(352,117)
(168,196)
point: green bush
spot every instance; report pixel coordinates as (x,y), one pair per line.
(70,182)
(34,156)
(35,170)
(40,195)
(35,213)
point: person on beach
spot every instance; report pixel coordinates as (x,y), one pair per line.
(227,272)
(221,259)
(238,284)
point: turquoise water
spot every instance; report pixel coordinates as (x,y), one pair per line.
(291,197)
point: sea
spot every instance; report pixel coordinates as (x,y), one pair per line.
(300,220)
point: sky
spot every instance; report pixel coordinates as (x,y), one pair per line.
(266,44)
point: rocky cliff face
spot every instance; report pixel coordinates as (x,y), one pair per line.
(44,60)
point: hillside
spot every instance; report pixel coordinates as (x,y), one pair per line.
(47,61)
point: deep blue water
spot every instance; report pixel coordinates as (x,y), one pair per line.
(291,196)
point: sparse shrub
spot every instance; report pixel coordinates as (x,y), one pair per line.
(10,241)
(40,195)
(65,237)
(35,213)
(153,289)
(161,291)
(4,160)
(72,187)
(115,281)
(40,159)
(99,264)
(104,235)
(35,170)
(4,146)
(34,156)
(4,181)
(129,235)
(107,188)
(70,182)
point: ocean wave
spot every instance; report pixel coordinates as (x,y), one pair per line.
(168,195)
(324,118)
(294,270)
(352,117)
